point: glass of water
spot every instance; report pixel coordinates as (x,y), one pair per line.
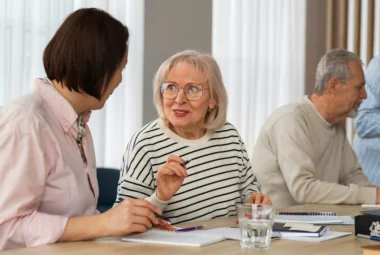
(255,222)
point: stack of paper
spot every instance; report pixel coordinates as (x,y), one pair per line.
(234,233)
(370,207)
(299,229)
(328,236)
(315,219)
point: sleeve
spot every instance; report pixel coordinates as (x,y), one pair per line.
(23,174)
(367,123)
(136,175)
(352,171)
(248,180)
(295,154)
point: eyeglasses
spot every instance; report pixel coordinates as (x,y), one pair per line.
(192,92)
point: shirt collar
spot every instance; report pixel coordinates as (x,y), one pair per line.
(60,107)
(307,100)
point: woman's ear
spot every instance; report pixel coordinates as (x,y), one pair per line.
(211,104)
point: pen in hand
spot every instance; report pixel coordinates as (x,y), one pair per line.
(156,214)
(190,229)
(186,162)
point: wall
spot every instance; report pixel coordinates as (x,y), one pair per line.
(173,25)
(190,24)
(315,40)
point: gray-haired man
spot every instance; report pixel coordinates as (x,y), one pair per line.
(302,155)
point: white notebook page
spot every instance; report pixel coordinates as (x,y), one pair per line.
(194,238)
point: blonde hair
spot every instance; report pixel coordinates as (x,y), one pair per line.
(206,64)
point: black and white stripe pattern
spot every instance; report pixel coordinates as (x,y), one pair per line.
(219,174)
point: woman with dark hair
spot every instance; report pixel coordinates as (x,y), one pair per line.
(48,180)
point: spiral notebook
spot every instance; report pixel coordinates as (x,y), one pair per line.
(308,213)
(194,238)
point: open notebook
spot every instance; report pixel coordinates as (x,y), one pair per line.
(194,238)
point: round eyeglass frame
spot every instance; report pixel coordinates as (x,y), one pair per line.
(184,91)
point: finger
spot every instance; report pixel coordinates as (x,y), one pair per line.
(250,200)
(163,222)
(142,220)
(174,158)
(137,228)
(165,227)
(252,197)
(258,198)
(266,200)
(147,213)
(173,169)
(166,170)
(178,168)
(145,204)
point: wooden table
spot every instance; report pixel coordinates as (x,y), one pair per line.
(344,245)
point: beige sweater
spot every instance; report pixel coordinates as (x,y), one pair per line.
(299,158)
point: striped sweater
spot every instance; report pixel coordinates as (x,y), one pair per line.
(219,174)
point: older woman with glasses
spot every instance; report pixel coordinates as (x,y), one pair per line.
(190,162)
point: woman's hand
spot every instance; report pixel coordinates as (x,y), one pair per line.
(170,178)
(130,215)
(258,198)
(164,225)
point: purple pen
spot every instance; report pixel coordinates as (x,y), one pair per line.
(189,229)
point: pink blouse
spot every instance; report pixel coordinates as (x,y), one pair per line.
(43,180)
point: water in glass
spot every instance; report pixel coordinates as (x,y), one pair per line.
(256,223)
(255,234)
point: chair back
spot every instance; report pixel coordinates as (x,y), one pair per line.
(107,180)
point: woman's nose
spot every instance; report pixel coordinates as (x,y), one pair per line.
(180,97)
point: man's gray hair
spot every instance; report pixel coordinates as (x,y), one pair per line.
(333,64)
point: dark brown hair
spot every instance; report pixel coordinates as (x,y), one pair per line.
(86,50)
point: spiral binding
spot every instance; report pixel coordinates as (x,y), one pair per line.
(191,233)
(308,213)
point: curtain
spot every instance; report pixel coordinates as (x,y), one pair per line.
(260,47)
(26,26)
